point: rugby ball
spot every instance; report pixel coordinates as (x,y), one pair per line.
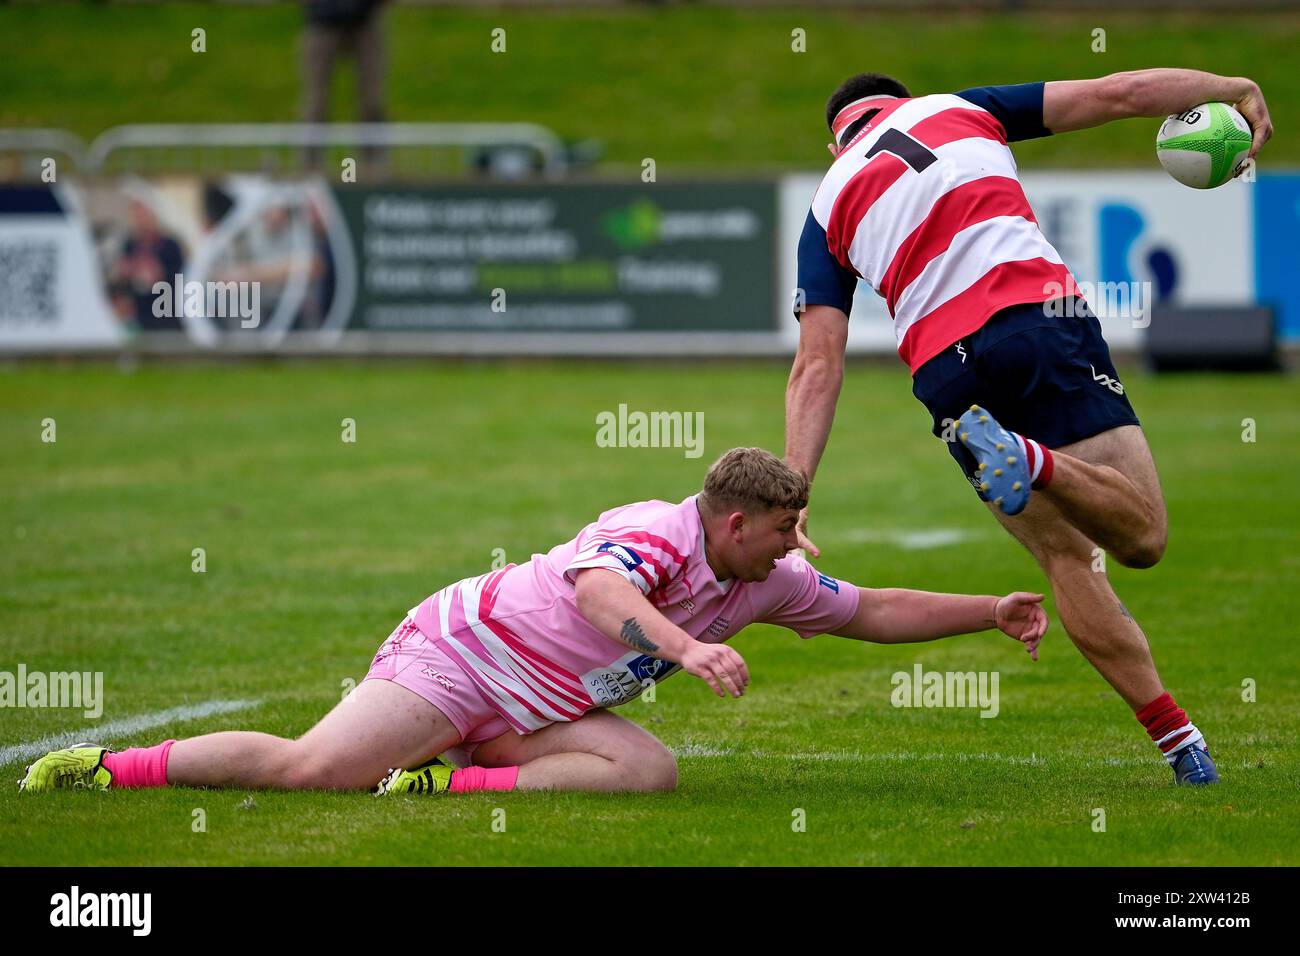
(1205,146)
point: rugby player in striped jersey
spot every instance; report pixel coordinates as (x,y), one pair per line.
(502,681)
(922,202)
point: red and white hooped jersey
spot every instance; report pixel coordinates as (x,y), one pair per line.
(925,205)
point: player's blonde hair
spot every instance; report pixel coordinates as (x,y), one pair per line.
(752,480)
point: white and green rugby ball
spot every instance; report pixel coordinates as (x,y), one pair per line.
(1204,146)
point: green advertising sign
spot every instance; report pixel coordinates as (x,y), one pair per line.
(572,257)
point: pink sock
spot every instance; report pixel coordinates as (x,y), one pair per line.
(469,779)
(139,766)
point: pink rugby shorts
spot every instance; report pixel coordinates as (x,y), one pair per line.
(418,663)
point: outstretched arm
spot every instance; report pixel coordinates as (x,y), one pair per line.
(898,616)
(1081,104)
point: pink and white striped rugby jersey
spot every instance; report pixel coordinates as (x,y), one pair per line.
(537,660)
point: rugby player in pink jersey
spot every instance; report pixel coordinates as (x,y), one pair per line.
(503,681)
(924,204)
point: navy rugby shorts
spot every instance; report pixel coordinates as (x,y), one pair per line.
(1047,377)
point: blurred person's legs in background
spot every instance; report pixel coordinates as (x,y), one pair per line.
(326,36)
(320,48)
(371,54)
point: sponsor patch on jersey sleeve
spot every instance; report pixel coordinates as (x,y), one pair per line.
(629,558)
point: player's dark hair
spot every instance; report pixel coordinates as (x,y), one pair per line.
(752,480)
(856,87)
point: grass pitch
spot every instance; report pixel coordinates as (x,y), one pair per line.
(315,548)
(698,88)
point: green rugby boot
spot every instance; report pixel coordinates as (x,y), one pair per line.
(429,778)
(80,767)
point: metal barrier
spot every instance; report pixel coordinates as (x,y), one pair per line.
(23,152)
(290,147)
(509,150)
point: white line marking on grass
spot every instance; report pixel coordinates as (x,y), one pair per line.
(127,725)
(922,540)
(1033,760)
(852,756)
(700,750)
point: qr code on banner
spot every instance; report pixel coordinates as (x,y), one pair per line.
(28,282)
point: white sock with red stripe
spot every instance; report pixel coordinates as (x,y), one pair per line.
(1168,726)
(1039,460)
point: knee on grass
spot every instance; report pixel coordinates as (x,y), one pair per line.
(648,768)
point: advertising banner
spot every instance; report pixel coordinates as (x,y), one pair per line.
(1132,240)
(51,293)
(252,263)
(593,258)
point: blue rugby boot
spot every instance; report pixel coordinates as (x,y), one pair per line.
(1002,471)
(1195,768)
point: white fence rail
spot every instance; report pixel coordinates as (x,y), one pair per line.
(281,147)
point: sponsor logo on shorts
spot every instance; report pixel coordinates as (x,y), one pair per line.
(1101,378)
(629,557)
(441,678)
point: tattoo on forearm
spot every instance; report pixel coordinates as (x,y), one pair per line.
(1123,610)
(634,637)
